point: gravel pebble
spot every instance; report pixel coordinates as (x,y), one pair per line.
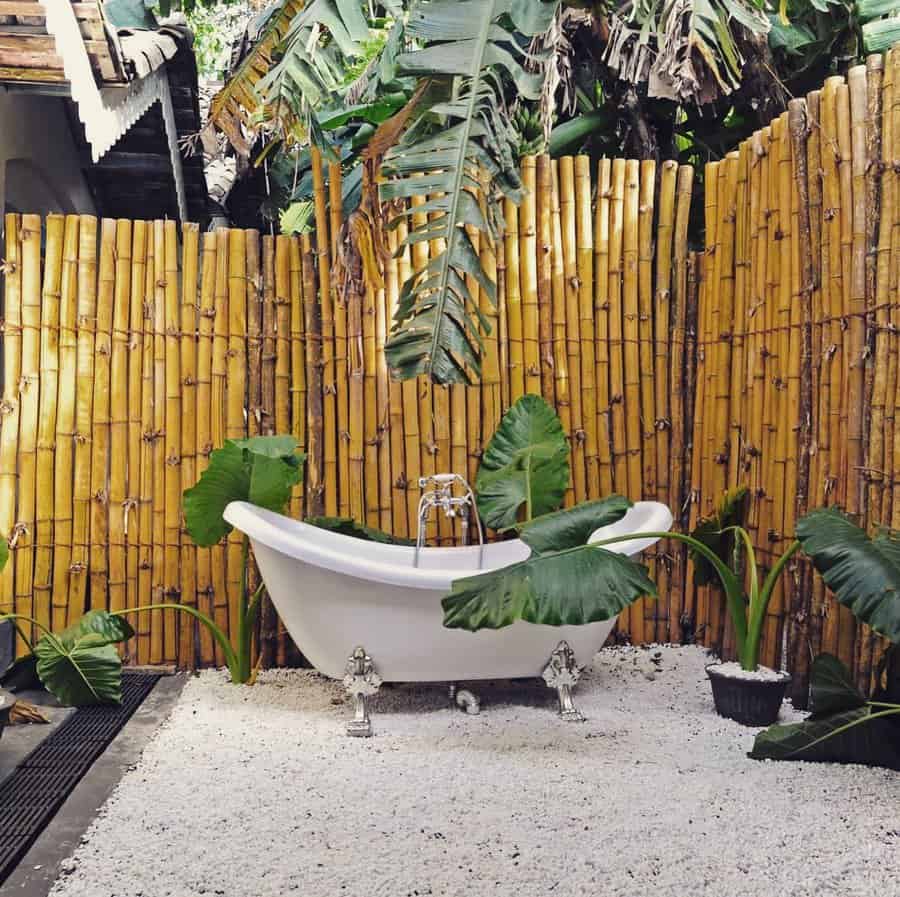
(256,792)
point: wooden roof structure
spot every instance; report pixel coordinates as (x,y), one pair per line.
(133,101)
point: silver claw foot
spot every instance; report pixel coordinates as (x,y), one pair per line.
(361,682)
(465,699)
(562,673)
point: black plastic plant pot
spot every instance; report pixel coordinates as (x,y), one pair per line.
(6,705)
(752,702)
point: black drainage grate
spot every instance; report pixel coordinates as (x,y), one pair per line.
(31,795)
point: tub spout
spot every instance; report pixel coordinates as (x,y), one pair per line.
(440,495)
(361,682)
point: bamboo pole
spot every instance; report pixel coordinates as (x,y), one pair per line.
(218,417)
(118,417)
(254,335)
(10,406)
(144,622)
(543,206)
(203,435)
(281,281)
(601,327)
(326,300)
(383,435)
(342,390)
(660,347)
(491,384)
(29,390)
(468,428)
(296,374)
(65,424)
(100,433)
(616,353)
(514,323)
(564,188)
(528,277)
(187,362)
(274,417)
(235,423)
(369,409)
(409,389)
(647,420)
(46,432)
(315,455)
(560,349)
(630,331)
(400,484)
(440,397)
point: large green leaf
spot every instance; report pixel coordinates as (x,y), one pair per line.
(832,688)
(525,465)
(462,142)
(863,572)
(716,533)
(346,526)
(80,665)
(262,470)
(572,527)
(573,587)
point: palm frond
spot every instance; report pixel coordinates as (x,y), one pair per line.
(461,153)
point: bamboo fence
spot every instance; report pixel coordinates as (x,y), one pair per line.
(131,350)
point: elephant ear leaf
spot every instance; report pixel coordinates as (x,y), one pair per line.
(716,534)
(832,689)
(572,527)
(863,572)
(262,470)
(80,665)
(564,588)
(525,465)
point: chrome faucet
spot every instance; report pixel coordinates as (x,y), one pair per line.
(439,494)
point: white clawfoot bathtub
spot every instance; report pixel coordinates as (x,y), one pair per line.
(334,592)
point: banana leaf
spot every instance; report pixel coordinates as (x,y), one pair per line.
(562,588)
(862,571)
(80,665)
(262,470)
(525,465)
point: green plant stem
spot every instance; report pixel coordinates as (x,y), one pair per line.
(14,618)
(750,658)
(221,638)
(734,594)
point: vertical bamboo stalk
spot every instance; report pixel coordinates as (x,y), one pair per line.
(187,563)
(560,349)
(282,278)
(203,435)
(528,277)
(564,183)
(218,416)
(661,347)
(29,392)
(412,447)
(383,437)
(370,413)
(235,425)
(470,426)
(342,391)
(514,324)
(118,418)
(46,433)
(296,382)
(616,355)
(326,301)
(400,482)
(543,202)
(65,423)
(647,421)
(440,397)
(135,439)
(601,326)
(106,283)
(315,453)
(491,386)
(10,406)
(144,622)
(254,335)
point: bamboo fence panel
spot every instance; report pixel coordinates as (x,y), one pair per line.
(768,360)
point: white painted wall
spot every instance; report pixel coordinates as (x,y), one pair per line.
(40,170)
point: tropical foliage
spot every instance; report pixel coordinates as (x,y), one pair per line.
(520,484)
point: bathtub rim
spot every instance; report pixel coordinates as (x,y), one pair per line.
(344,554)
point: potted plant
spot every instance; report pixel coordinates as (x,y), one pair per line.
(743,690)
(844,725)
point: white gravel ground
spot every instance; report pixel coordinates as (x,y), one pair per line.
(255,792)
